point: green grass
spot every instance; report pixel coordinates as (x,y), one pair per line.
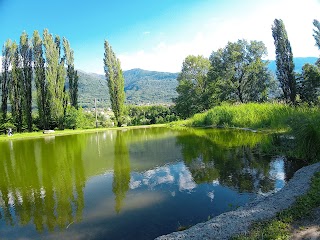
(279,227)
(251,115)
(274,116)
(27,135)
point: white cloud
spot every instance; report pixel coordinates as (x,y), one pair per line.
(186,181)
(166,57)
(214,33)
(134,184)
(211,195)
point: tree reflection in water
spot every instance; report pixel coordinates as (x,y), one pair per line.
(121,175)
(236,159)
(42,182)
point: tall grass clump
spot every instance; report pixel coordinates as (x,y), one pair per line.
(251,115)
(305,127)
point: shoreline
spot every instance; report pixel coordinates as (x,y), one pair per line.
(35,135)
(237,222)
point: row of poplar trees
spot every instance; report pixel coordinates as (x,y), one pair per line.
(38,62)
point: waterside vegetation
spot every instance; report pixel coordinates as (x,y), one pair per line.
(299,125)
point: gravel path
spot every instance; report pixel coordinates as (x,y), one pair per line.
(231,223)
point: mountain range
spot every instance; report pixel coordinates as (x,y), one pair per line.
(144,87)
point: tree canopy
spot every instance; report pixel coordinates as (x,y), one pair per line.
(192,86)
(238,73)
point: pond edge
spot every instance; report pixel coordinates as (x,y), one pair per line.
(236,222)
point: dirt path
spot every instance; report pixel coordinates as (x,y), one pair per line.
(307,228)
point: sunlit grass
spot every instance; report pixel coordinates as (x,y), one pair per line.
(251,115)
(259,116)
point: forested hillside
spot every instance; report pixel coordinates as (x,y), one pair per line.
(141,86)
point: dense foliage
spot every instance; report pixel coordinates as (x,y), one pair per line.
(238,73)
(192,86)
(235,73)
(38,62)
(145,115)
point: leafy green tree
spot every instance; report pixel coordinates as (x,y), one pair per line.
(55,76)
(115,81)
(238,73)
(192,86)
(5,79)
(71,73)
(16,87)
(41,82)
(309,84)
(284,60)
(25,51)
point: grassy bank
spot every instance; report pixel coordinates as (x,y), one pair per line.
(301,123)
(280,226)
(20,136)
(270,116)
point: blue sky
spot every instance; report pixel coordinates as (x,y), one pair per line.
(159,34)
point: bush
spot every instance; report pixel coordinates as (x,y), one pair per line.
(145,115)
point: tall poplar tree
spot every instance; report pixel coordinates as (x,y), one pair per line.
(316,35)
(316,32)
(25,51)
(6,61)
(40,81)
(55,76)
(60,86)
(71,73)
(284,60)
(115,81)
(16,87)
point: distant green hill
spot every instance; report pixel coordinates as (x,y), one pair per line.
(150,87)
(141,86)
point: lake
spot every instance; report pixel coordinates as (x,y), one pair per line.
(131,184)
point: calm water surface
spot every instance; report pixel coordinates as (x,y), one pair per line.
(130,184)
